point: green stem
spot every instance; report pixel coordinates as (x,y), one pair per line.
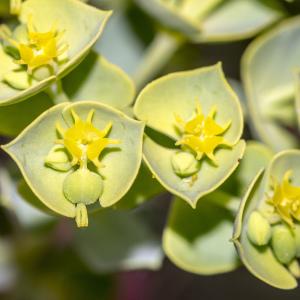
(163,46)
(56,93)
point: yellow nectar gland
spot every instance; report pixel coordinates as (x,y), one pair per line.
(286,199)
(85,142)
(202,134)
(42,47)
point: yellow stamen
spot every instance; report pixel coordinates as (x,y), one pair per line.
(42,48)
(286,199)
(84,141)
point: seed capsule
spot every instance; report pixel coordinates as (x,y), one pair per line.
(184,164)
(82,186)
(259,229)
(283,243)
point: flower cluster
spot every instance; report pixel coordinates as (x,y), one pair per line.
(202,134)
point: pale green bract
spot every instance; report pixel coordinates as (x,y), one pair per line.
(65,16)
(275,262)
(122,161)
(180,94)
(270,84)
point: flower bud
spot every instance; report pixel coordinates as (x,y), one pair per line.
(259,229)
(82,186)
(58,159)
(42,72)
(184,164)
(283,243)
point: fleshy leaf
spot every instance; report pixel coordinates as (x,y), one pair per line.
(129,243)
(96,85)
(256,157)
(261,261)
(145,188)
(235,20)
(207,179)
(198,240)
(270,84)
(213,20)
(14,118)
(31,147)
(66,15)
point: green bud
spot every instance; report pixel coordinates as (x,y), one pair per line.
(283,243)
(82,186)
(42,72)
(17,80)
(58,159)
(297,238)
(258,229)
(184,164)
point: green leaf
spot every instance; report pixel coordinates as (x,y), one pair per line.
(118,240)
(270,84)
(143,189)
(261,261)
(96,79)
(214,20)
(256,157)
(14,118)
(239,19)
(32,146)
(66,15)
(198,240)
(209,178)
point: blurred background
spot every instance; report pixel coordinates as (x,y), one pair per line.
(119,257)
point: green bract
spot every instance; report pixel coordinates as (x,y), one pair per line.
(16,83)
(130,242)
(213,20)
(175,98)
(270,84)
(192,239)
(103,82)
(31,151)
(274,263)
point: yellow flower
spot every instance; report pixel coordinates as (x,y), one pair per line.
(84,141)
(286,199)
(201,134)
(42,47)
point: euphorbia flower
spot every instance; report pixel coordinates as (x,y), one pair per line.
(83,141)
(42,48)
(286,199)
(202,134)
